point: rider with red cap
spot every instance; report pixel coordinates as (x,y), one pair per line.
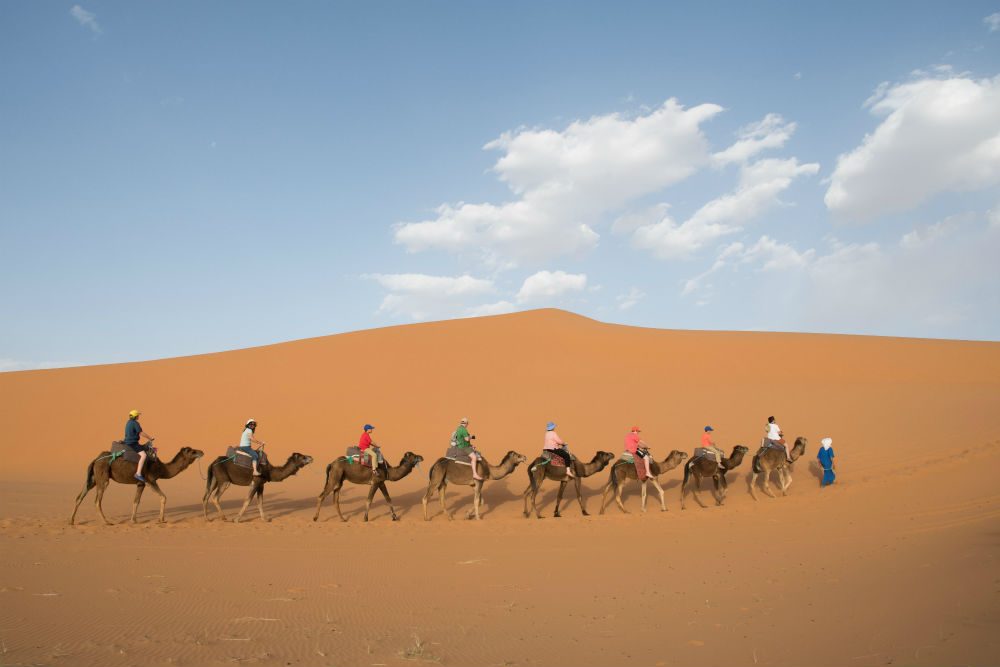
(636,447)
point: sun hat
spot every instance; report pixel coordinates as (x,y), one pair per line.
(551,426)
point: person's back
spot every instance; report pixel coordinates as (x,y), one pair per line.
(709,445)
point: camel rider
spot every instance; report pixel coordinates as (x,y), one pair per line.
(776,438)
(370,449)
(133,431)
(555,446)
(247,441)
(461,439)
(709,446)
(637,447)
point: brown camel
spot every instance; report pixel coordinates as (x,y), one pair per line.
(706,466)
(623,471)
(341,470)
(538,472)
(99,473)
(768,458)
(224,472)
(445,471)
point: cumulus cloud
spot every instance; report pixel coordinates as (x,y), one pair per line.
(760,184)
(563,182)
(869,287)
(771,132)
(85,18)
(937,135)
(993,22)
(548,285)
(419,296)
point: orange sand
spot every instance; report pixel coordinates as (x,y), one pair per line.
(896,564)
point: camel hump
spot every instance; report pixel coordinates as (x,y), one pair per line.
(119,450)
(240,458)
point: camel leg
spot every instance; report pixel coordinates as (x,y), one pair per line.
(559,495)
(476,498)
(372,488)
(336,500)
(785,476)
(327,488)
(424,500)
(98,501)
(604,496)
(717,489)
(87,486)
(618,496)
(444,508)
(260,502)
(246,503)
(524,496)
(534,498)
(767,487)
(163,499)
(217,496)
(139,488)
(696,478)
(642,493)
(659,489)
(753,483)
(579,496)
(385,494)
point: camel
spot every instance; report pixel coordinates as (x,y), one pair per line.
(623,471)
(768,458)
(446,470)
(538,473)
(224,472)
(340,470)
(706,466)
(99,474)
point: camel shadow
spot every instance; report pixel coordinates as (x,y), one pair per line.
(817,471)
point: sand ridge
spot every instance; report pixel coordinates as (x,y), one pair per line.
(895,564)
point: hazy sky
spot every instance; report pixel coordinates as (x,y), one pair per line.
(185,177)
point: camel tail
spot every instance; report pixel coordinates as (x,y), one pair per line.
(209,481)
(89,484)
(756,463)
(531,480)
(614,475)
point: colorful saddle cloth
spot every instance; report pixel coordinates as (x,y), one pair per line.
(355,455)
(119,450)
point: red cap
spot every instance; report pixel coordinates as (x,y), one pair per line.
(636,429)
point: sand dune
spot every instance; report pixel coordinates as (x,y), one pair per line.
(895,564)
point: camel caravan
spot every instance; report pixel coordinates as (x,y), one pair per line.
(129,462)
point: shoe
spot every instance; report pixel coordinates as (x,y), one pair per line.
(140,478)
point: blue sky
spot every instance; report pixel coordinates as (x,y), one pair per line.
(178,178)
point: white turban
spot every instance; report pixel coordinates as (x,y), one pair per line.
(826,442)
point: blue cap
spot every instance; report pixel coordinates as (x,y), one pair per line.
(551,426)
(368,427)
(709,428)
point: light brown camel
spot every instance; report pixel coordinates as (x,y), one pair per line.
(340,470)
(623,471)
(445,471)
(224,472)
(768,458)
(99,474)
(538,472)
(706,466)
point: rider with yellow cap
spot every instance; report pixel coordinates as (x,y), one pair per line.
(133,431)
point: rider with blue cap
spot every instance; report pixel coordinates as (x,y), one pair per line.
(554,445)
(710,447)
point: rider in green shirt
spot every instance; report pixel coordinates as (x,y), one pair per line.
(463,440)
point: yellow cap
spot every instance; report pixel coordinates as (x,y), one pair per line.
(133,414)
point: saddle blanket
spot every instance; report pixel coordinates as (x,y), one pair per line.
(240,459)
(119,450)
(552,459)
(459,455)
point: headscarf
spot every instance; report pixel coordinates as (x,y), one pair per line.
(826,442)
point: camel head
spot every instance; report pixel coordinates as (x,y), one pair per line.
(190,454)
(800,443)
(514,457)
(604,458)
(300,460)
(411,458)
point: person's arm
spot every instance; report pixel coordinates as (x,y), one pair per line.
(143,434)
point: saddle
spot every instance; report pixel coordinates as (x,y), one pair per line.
(637,462)
(459,455)
(552,459)
(240,458)
(356,456)
(702,452)
(119,450)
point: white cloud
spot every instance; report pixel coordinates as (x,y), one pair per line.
(629,299)
(760,184)
(993,21)
(771,132)
(85,18)
(419,296)
(932,281)
(547,285)
(938,135)
(565,181)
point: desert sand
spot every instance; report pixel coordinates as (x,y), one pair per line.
(894,564)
